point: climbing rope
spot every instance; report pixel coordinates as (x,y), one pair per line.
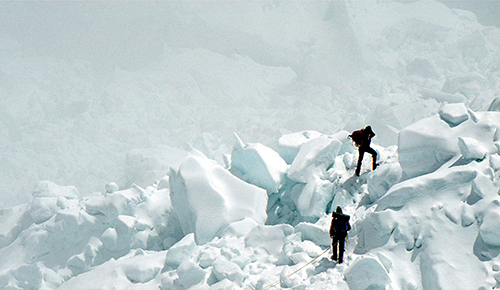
(287,276)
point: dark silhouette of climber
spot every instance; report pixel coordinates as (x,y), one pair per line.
(362,139)
(338,232)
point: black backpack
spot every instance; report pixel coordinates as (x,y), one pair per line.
(357,137)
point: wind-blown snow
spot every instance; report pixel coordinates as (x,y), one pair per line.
(125,176)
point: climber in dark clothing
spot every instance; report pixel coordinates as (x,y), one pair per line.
(362,139)
(338,232)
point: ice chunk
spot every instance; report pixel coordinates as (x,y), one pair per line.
(471,149)
(48,198)
(490,227)
(125,272)
(424,146)
(454,114)
(206,198)
(316,234)
(374,231)
(311,199)
(181,251)
(270,238)
(142,268)
(190,274)
(208,256)
(313,159)
(258,164)
(77,264)
(287,279)
(224,269)
(240,228)
(33,276)
(430,143)
(367,273)
(92,248)
(404,192)
(109,238)
(482,187)
(289,144)
(382,179)
(43,208)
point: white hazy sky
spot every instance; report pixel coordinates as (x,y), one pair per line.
(126,34)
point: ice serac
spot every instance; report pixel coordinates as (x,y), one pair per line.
(311,199)
(428,144)
(425,146)
(206,198)
(258,165)
(289,144)
(313,159)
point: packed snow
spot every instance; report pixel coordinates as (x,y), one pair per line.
(217,163)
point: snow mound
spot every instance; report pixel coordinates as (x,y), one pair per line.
(207,198)
(138,267)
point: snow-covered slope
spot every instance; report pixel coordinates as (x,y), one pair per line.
(436,229)
(292,78)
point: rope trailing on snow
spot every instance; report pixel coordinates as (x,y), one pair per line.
(287,276)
